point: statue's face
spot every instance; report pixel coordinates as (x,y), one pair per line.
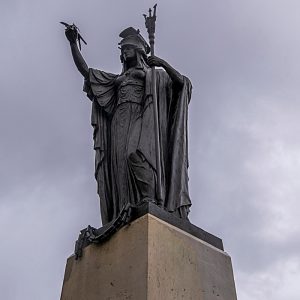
(128,52)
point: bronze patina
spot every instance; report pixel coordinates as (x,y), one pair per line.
(140,126)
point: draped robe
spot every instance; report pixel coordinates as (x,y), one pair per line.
(173,101)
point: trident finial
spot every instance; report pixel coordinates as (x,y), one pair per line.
(150,24)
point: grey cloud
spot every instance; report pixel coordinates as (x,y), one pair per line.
(242,58)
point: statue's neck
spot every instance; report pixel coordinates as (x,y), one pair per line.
(131,63)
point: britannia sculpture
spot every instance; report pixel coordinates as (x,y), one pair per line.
(140,127)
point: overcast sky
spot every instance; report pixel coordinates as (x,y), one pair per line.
(243,58)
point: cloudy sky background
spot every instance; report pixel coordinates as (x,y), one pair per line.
(243,58)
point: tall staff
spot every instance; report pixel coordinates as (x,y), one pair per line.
(150,25)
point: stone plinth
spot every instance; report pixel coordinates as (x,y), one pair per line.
(150,260)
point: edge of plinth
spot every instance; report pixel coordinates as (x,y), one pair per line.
(91,235)
(185,225)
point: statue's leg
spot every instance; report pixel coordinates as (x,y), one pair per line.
(143,175)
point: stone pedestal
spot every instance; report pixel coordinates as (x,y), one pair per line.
(150,259)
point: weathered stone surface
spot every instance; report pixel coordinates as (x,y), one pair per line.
(150,259)
(181,266)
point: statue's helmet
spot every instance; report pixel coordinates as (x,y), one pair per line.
(131,36)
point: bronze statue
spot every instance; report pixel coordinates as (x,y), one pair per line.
(126,159)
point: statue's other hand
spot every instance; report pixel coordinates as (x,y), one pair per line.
(154,61)
(71,34)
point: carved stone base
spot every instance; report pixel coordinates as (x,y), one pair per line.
(150,259)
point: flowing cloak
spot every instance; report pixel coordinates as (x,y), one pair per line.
(173,113)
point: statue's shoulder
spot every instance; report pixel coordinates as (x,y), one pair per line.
(100,73)
(96,75)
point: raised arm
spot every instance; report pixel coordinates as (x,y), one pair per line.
(80,63)
(176,77)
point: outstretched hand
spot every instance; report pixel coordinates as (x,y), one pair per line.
(71,34)
(154,61)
